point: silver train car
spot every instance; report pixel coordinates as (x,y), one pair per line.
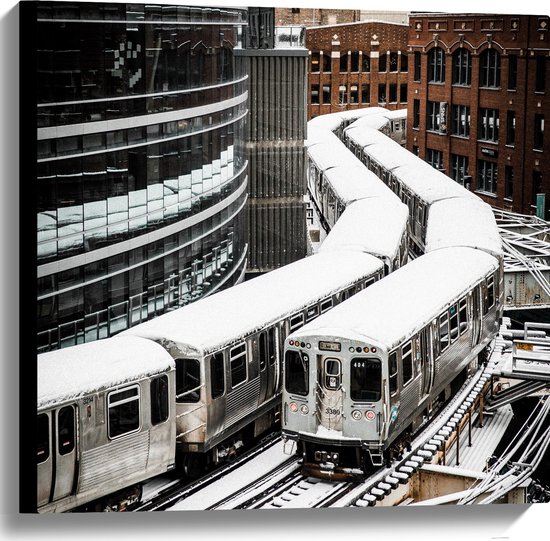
(228,350)
(106,421)
(375,225)
(361,379)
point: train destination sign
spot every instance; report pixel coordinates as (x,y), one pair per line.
(330,346)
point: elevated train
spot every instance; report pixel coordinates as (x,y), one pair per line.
(360,381)
(220,359)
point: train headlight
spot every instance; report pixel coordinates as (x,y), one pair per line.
(293,407)
(370,415)
(304,409)
(356,415)
(352,349)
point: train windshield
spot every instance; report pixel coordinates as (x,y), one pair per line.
(365,379)
(296,373)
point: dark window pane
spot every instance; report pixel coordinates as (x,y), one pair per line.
(217,379)
(365,379)
(43,438)
(124,417)
(65,430)
(159,400)
(188,380)
(296,373)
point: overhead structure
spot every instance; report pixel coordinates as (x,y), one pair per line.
(526,241)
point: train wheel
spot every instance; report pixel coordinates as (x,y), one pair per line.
(194,465)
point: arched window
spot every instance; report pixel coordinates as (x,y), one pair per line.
(436,65)
(462,67)
(489,69)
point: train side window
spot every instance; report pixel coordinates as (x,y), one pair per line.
(296,373)
(453,319)
(296,321)
(43,438)
(159,400)
(369,282)
(490,292)
(123,411)
(312,312)
(188,380)
(217,375)
(463,316)
(393,372)
(443,332)
(326,305)
(237,362)
(365,380)
(406,362)
(65,430)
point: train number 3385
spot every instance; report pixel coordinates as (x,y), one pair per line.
(332,411)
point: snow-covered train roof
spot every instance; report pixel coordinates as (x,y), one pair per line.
(398,114)
(406,300)
(332,121)
(73,372)
(375,226)
(326,155)
(463,222)
(375,122)
(357,182)
(216,321)
(430,184)
(390,154)
(363,136)
(316,135)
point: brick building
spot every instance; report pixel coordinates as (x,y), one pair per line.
(357,65)
(477,103)
(315,17)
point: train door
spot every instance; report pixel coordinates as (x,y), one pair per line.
(268,365)
(475,315)
(425,362)
(329,392)
(56,454)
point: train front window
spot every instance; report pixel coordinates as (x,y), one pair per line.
(333,372)
(365,379)
(296,373)
(188,380)
(217,378)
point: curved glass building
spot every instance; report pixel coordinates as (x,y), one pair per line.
(142,171)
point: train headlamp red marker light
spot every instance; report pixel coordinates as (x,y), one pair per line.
(370,415)
(293,407)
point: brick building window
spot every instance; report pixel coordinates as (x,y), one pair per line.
(540,74)
(433,110)
(512,72)
(315,67)
(342,94)
(489,69)
(459,168)
(462,67)
(539,132)
(393,61)
(508,182)
(487,176)
(488,125)
(344,63)
(382,93)
(403,93)
(326,94)
(461,120)
(435,158)
(365,93)
(327,68)
(354,61)
(417,66)
(510,128)
(393,93)
(416,113)
(365,63)
(404,62)
(353,94)
(436,65)
(382,62)
(314,93)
